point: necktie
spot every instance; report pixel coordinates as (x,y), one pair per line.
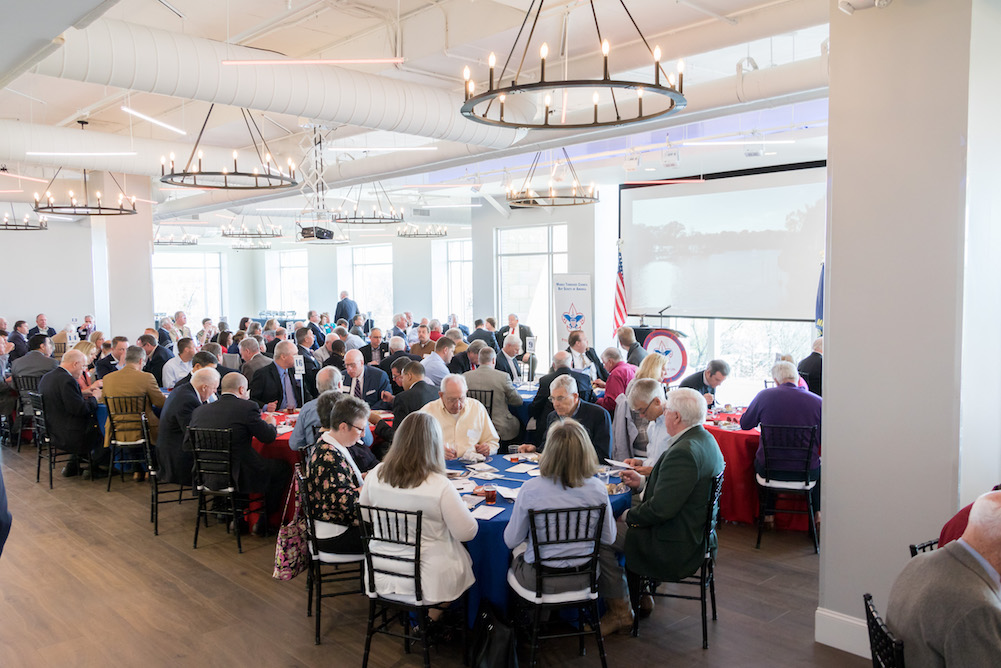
(288,394)
(357,389)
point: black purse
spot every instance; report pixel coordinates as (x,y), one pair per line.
(494,642)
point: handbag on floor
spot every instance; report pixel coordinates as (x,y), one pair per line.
(292,546)
(495,643)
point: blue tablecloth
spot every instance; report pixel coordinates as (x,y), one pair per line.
(491,557)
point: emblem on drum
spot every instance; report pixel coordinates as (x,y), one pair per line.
(667,343)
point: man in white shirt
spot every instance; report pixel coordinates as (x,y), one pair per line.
(436,364)
(584,358)
(508,361)
(351,341)
(465,423)
(179,366)
(646,397)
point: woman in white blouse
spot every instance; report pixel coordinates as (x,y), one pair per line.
(412,477)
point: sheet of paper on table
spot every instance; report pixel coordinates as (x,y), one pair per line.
(522,468)
(473,501)
(464,485)
(284,429)
(481,468)
(535,472)
(484,512)
(615,462)
(486,475)
(510,493)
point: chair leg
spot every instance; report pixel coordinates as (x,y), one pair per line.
(318,583)
(536,617)
(309,589)
(702,597)
(634,583)
(596,625)
(198,517)
(52,463)
(580,627)
(763,498)
(111,464)
(155,505)
(422,624)
(466,659)
(38,466)
(712,587)
(812,525)
(236,522)
(368,632)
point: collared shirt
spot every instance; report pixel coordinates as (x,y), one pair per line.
(513,366)
(660,441)
(354,342)
(357,387)
(582,362)
(288,394)
(174,370)
(464,431)
(434,369)
(991,573)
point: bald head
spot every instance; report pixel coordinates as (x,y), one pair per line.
(983,532)
(561,359)
(285,353)
(206,382)
(74,361)
(232,383)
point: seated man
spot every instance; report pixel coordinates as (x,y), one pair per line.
(482,333)
(358,326)
(132,381)
(115,361)
(486,378)
(38,361)
(620,374)
(434,327)
(706,382)
(313,322)
(465,424)
(811,368)
(275,386)
(786,404)
(541,406)
(328,379)
(513,327)
(509,360)
(367,382)
(567,404)
(179,366)
(304,341)
(635,353)
(19,339)
(336,357)
(646,397)
(416,395)
(253,358)
(946,604)
(463,362)
(70,415)
(202,360)
(436,364)
(216,350)
(376,349)
(453,323)
(397,349)
(323,352)
(662,533)
(156,357)
(351,341)
(176,463)
(954,528)
(455,334)
(42,327)
(583,358)
(423,346)
(279,335)
(252,473)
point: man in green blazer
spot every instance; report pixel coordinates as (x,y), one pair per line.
(662,534)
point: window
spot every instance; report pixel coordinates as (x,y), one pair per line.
(372,278)
(750,348)
(527,258)
(288,281)
(460,280)
(189,282)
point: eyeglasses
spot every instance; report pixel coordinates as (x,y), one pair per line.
(561,400)
(361,430)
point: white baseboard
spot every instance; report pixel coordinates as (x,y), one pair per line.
(843,632)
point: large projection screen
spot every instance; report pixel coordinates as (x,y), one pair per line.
(740,247)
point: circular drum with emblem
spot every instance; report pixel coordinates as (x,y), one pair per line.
(666,342)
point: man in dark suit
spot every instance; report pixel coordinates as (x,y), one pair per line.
(41,327)
(275,386)
(541,406)
(156,357)
(252,473)
(70,415)
(397,349)
(594,418)
(38,361)
(672,511)
(584,358)
(705,382)
(216,351)
(480,333)
(314,324)
(304,341)
(416,394)
(19,338)
(811,368)
(253,358)
(175,461)
(514,327)
(346,308)
(468,360)
(510,361)
(376,349)
(280,335)
(366,382)
(336,356)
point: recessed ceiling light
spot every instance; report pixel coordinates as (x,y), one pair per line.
(152,120)
(367,149)
(318,61)
(79,154)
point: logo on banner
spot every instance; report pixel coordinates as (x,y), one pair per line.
(667,343)
(572,319)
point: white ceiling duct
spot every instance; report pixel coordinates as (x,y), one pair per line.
(125,55)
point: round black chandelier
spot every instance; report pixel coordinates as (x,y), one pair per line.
(383,211)
(412,231)
(573,195)
(252,245)
(260,232)
(171,240)
(24,225)
(534,101)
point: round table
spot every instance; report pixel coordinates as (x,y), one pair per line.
(491,556)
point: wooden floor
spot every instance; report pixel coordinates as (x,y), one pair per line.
(83,582)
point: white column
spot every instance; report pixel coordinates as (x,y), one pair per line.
(900,344)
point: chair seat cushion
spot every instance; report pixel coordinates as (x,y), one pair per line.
(575,596)
(791,485)
(335,558)
(405,599)
(128,444)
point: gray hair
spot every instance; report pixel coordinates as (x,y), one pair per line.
(486,355)
(784,372)
(232,382)
(166,319)
(561,360)
(718,366)
(341,332)
(611,354)
(396,344)
(206,376)
(434,325)
(818,345)
(566,381)
(135,355)
(511,339)
(250,344)
(286,348)
(328,378)
(454,378)
(454,333)
(644,390)
(688,404)
(325,404)
(476,346)
(269,335)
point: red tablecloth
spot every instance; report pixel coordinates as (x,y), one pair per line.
(277,449)
(739,501)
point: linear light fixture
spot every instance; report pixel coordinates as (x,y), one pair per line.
(11,191)
(79,154)
(433,186)
(448,206)
(283,208)
(662,182)
(152,120)
(318,61)
(737,143)
(369,149)
(4,172)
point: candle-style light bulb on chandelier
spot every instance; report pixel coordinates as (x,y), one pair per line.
(268,175)
(383,211)
(576,194)
(252,245)
(77,206)
(171,240)
(12,224)
(413,231)
(663,96)
(262,231)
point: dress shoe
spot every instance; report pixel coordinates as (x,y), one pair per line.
(619,617)
(240,525)
(646,605)
(71,469)
(139,476)
(260,527)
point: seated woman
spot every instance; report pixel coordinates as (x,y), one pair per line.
(629,428)
(90,350)
(360,449)
(225,339)
(412,477)
(789,358)
(333,479)
(567,466)
(97,338)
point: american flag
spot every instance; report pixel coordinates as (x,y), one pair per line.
(620,295)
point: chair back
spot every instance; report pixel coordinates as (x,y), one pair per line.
(769,383)
(887,651)
(58,348)
(305,494)
(926,546)
(24,386)
(37,404)
(213,451)
(788,449)
(712,511)
(127,415)
(384,531)
(485,397)
(232,360)
(566,534)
